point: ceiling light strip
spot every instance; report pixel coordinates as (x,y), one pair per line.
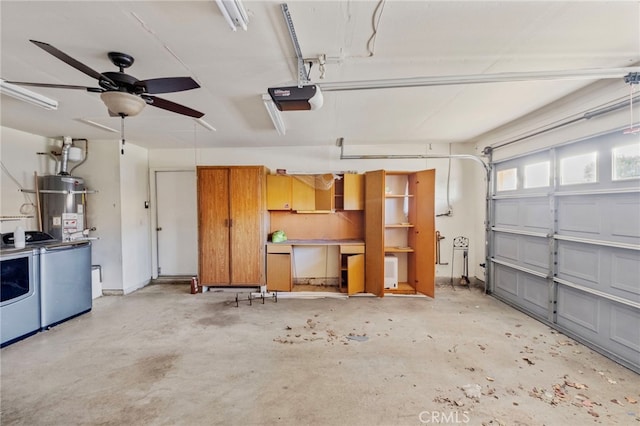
(98,125)
(204,124)
(28,96)
(584,74)
(234,13)
(274,114)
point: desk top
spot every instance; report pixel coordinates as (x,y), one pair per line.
(320,242)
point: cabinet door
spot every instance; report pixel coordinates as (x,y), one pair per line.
(279,272)
(423,235)
(353,191)
(246,201)
(213,226)
(374,232)
(303,194)
(278,192)
(355,274)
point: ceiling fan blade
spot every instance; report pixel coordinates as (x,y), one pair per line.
(57,86)
(172,106)
(168,85)
(70,61)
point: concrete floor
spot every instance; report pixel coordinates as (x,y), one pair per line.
(162,356)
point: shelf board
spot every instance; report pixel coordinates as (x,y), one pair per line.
(398,195)
(399,225)
(403,288)
(398,249)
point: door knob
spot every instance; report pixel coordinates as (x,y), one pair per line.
(159,229)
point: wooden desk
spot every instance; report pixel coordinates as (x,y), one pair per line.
(279,272)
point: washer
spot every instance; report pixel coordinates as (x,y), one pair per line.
(65,281)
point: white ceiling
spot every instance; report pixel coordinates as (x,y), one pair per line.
(413,38)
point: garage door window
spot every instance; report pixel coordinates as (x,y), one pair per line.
(536,175)
(507,180)
(579,169)
(626,162)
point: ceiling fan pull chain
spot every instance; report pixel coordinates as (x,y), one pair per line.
(122,134)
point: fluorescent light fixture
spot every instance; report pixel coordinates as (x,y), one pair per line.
(98,125)
(234,13)
(204,124)
(28,96)
(447,80)
(274,114)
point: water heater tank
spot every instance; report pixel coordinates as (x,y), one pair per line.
(62,205)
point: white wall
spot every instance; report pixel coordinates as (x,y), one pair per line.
(116,209)
(134,217)
(463,184)
(20,161)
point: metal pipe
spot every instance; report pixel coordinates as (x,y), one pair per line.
(586,116)
(86,154)
(64,162)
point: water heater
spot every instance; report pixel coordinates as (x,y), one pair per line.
(62,205)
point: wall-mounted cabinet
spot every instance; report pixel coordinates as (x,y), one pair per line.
(400,221)
(231,225)
(315,193)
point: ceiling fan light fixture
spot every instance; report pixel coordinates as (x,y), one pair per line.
(234,13)
(123,103)
(28,96)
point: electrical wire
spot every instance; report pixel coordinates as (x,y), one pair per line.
(25,208)
(375,24)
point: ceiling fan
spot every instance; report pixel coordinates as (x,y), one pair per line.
(123,94)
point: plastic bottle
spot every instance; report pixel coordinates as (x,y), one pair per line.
(18,237)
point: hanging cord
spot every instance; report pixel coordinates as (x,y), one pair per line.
(122,134)
(375,23)
(25,208)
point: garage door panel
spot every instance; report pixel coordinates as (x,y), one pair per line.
(522,250)
(624,326)
(626,217)
(610,217)
(506,282)
(506,247)
(524,290)
(579,218)
(536,215)
(625,272)
(507,213)
(535,292)
(535,253)
(612,271)
(578,261)
(578,311)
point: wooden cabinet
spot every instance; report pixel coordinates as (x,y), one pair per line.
(349,192)
(231,225)
(400,221)
(278,192)
(279,276)
(352,268)
(312,193)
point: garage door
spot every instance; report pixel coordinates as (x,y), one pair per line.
(564,242)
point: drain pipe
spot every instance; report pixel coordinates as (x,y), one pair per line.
(486,166)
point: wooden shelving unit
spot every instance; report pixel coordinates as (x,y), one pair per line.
(400,221)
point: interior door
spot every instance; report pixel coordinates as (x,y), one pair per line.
(246,215)
(177,223)
(425,237)
(213,222)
